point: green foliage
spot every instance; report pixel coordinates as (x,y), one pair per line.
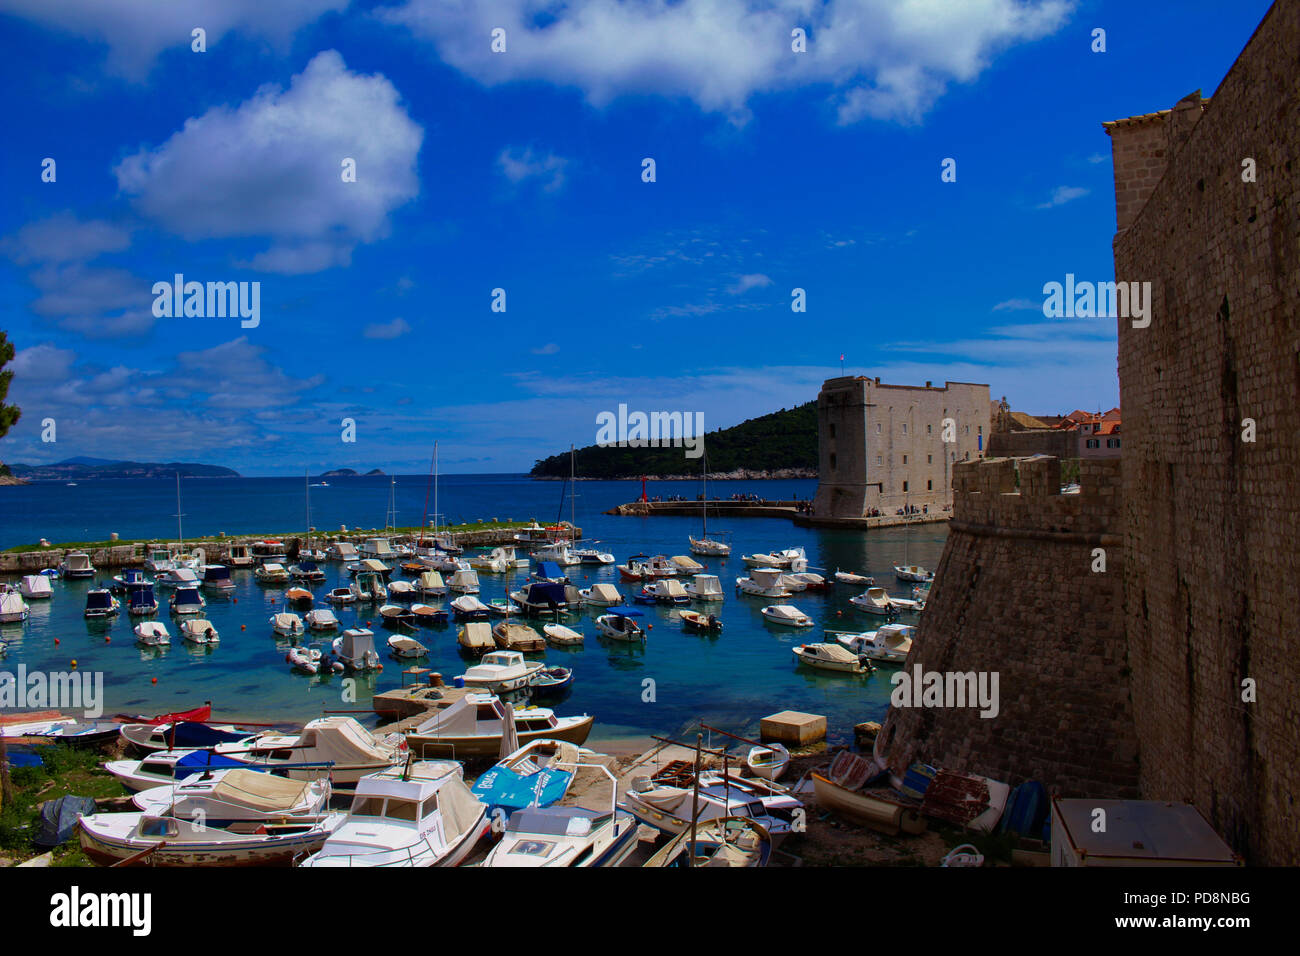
(9,414)
(784,439)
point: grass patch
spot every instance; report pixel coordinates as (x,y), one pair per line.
(68,771)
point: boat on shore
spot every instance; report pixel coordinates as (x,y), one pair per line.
(334,747)
(726,841)
(665,801)
(846,789)
(768,761)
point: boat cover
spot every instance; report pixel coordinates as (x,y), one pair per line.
(59,819)
(503,787)
(260,791)
(548,569)
(196,761)
(605,592)
(189,734)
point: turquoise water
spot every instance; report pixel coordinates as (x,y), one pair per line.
(727,681)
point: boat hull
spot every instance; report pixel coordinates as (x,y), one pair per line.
(456,747)
(876,812)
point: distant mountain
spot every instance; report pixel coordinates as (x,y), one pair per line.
(338,473)
(373,471)
(784,441)
(91,468)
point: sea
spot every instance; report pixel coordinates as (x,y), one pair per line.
(668,687)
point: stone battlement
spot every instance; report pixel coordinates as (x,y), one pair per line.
(1025,494)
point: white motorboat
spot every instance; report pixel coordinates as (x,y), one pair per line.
(464,582)
(341,596)
(241,556)
(217,577)
(618,625)
(334,747)
(35,587)
(763,582)
(768,761)
(188,600)
(501,608)
(601,595)
(666,805)
(791,559)
(890,643)
(227,793)
(180,736)
(705,587)
(565,836)
(499,560)
(406,647)
(591,556)
(152,634)
(306,570)
(369,586)
(913,572)
(559,552)
(786,615)
(710,547)
(355,647)
(163,768)
(427,614)
(288,624)
(322,619)
(808,581)
(641,567)
(342,551)
(467,607)
(666,591)
(311,659)
(562,636)
(199,631)
(421,814)
(474,727)
(501,671)
(403,591)
(299,596)
(100,603)
(793,583)
(271,573)
(178,577)
(13,609)
(378,549)
(831,657)
(874,601)
(76,564)
(159,561)
(849,577)
(265,834)
(430,584)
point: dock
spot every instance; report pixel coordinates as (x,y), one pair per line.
(791,510)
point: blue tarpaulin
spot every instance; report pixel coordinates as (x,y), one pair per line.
(502,787)
(59,819)
(549,569)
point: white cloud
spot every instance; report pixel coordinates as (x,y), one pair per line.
(754,280)
(520,164)
(1018,305)
(136,31)
(1063,194)
(271,167)
(65,238)
(879,58)
(550,348)
(387,330)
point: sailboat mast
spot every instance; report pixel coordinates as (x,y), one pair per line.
(180,536)
(573,503)
(704,505)
(436,515)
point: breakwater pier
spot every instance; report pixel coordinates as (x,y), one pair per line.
(792,510)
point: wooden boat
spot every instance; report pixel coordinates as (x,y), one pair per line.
(768,761)
(831,657)
(550,681)
(844,790)
(397,615)
(426,615)
(665,801)
(406,647)
(562,636)
(727,841)
(476,637)
(516,636)
(474,725)
(420,814)
(695,621)
(786,615)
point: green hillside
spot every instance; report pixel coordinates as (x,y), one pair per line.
(784,439)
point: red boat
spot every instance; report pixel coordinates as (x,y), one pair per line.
(199,715)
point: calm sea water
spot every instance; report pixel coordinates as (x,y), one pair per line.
(729,681)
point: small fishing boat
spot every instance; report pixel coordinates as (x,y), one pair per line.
(178,577)
(297,595)
(666,591)
(188,600)
(421,814)
(725,841)
(199,631)
(342,551)
(77,564)
(181,736)
(13,609)
(287,624)
(562,636)
(426,615)
(591,556)
(335,747)
(403,591)
(35,587)
(565,836)
(769,761)
(430,584)
(159,561)
(100,603)
(464,581)
(131,578)
(501,609)
(355,647)
(140,601)
(396,615)
(551,681)
(705,623)
(787,615)
(221,791)
(873,601)
(217,577)
(152,634)
(807,581)
(546,597)
(476,637)
(501,671)
(847,790)
(369,586)
(341,596)
(306,571)
(321,619)
(467,607)
(240,556)
(665,801)
(517,636)
(601,595)
(313,659)
(641,567)
(618,625)
(913,572)
(705,587)
(473,727)
(850,577)
(831,657)
(406,648)
(271,573)
(890,643)
(165,767)
(498,561)
(763,582)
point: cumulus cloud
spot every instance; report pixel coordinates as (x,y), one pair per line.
(878,58)
(550,348)
(519,165)
(1061,195)
(136,31)
(272,167)
(387,330)
(754,280)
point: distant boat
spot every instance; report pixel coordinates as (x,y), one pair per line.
(831,657)
(704,544)
(13,609)
(152,633)
(100,603)
(787,615)
(77,565)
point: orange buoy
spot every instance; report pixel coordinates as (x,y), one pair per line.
(74,663)
(381,667)
(243,627)
(153,680)
(234,600)
(56,642)
(108,638)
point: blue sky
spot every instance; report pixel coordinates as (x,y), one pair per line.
(522,170)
